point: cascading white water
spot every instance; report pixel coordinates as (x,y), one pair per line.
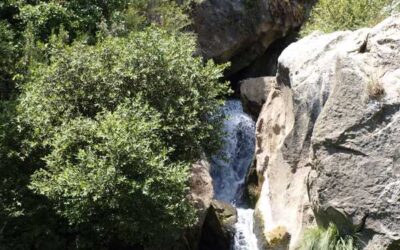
(245,239)
(230,168)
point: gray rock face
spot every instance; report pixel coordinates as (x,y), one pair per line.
(241,30)
(254,93)
(201,187)
(283,201)
(201,194)
(331,127)
(356,139)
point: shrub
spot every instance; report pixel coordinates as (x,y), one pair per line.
(333,15)
(26,219)
(118,125)
(114,173)
(375,89)
(164,13)
(139,14)
(317,238)
(9,196)
(27,26)
(84,80)
(97,140)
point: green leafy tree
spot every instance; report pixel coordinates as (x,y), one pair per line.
(84,80)
(27,220)
(47,17)
(139,14)
(27,26)
(103,109)
(119,124)
(114,173)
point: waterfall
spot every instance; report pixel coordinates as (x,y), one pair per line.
(230,168)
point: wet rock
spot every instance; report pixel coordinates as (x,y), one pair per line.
(253,186)
(218,228)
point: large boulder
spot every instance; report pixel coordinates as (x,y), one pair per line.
(330,133)
(218,228)
(254,93)
(242,30)
(356,140)
(283,201)
(201,194)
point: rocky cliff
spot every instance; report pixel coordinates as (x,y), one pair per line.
(328,137)
(241,31)
(250,34)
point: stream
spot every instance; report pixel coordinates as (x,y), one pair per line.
(230,168)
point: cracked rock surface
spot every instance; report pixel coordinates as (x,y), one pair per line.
(328,137)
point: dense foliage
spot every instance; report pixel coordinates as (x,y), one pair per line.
(103,109)
(114,173)
(83,80)
(333,15)
(7,57)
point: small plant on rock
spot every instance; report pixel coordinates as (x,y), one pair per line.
(319,238)
(375,88)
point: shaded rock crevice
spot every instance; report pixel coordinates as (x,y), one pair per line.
(240,31)
(218,227)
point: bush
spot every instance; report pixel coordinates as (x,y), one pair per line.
(119,124)
(317,238)
(115,17)
(9,195)
(27,26)
(139,14)
(114,173)
(46,18)
(26,219)
(84,80)
(333,15)
(97,140)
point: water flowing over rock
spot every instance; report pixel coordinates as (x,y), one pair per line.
(230,169)
(329,133)
(242,30)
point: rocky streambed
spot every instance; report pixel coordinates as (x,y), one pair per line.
(229,223)
(327,141)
